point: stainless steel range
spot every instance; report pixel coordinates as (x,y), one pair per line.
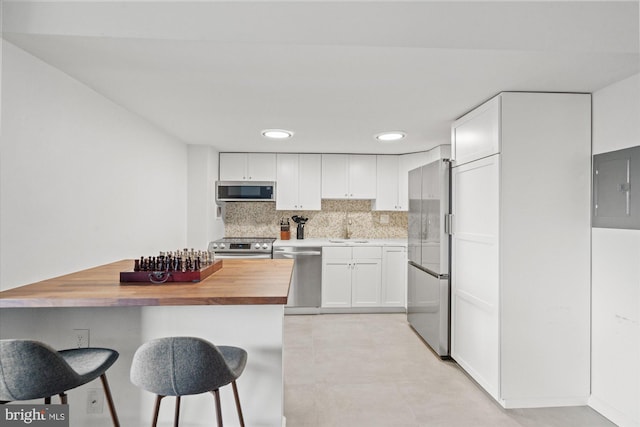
(242,247)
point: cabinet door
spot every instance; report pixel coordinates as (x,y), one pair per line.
(233,166)
(336,283)
(366,281)
(261,166)
(394,277)
(310,182)
(477,134)
(335,176)
(387,188)
(362,176)
(287,182)
(475,271)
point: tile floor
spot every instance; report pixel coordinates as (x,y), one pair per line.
(372,370)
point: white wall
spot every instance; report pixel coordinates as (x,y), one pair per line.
(83,181)
(615,377)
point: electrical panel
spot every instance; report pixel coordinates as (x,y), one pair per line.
(616,189)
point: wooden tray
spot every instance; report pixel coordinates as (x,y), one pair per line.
(168,277)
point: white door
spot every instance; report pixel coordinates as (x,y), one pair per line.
(362,176)
(336,283)
(394,276)
(287,182)
(387,183)
(310,182)
(475,271)
(335,176)
(233,167)
(366,283)
(261,166)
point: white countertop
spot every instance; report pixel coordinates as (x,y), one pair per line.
(340,242)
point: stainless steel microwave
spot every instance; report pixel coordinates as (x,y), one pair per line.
(245,191)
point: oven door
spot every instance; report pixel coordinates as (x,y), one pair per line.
(241,255)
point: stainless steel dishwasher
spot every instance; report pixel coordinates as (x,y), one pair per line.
(305,291)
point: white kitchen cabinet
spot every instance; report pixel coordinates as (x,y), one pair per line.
(388,194)
(392,173)
(247,167)
(298,182)
(394,276)
(521,248)
(351,276)
(348,176)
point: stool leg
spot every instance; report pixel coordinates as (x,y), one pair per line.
(112,407)
(47,400)
(216,394)
(175,420)
(63,398)
(156,410)
(235,394)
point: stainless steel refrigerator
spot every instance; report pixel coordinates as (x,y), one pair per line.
(429,287)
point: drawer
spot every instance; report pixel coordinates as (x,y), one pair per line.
(333,252)
(367,252)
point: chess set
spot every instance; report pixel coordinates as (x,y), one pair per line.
(181,266)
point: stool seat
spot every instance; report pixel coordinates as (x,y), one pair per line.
(181,366)
(33,370)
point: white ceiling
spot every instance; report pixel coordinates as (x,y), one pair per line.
(335,73)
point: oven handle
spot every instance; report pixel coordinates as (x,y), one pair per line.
(241,256)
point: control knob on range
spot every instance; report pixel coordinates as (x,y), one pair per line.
(222,245)
(264,246)
(214,246)
(257,245)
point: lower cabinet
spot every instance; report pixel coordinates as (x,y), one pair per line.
(394,276)
(364,276)
(351,276)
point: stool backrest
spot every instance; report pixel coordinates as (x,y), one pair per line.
(32,370)
(178,366)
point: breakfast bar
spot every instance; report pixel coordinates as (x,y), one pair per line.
(241,305)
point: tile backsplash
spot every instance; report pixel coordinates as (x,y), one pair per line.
(260,219)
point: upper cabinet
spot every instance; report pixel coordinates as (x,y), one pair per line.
(477,134)
(348,176)
(247,167)
(389,190)
(393,176)
(299,182)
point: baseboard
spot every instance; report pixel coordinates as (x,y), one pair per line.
(611,413)
(553,402)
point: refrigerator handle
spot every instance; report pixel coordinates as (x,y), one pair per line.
(448,224)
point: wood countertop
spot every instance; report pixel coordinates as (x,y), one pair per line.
(238,282)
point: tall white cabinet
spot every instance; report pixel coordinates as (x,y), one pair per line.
(521,248)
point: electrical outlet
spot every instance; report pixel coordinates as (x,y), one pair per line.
(95,401)
(81,338)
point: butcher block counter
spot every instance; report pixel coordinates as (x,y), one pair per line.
(238,282)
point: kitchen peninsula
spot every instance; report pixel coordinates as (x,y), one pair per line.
(241,305)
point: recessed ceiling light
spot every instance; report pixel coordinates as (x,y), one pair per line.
(395,135)
(277,133)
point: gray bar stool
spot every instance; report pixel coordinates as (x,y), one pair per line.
(33,370)
(181,366)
